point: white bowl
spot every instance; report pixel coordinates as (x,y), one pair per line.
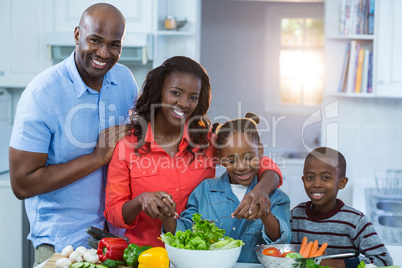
(186,258)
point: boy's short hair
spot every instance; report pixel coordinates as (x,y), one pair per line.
(326,152)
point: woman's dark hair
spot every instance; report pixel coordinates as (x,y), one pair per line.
(247,125)
(151,97)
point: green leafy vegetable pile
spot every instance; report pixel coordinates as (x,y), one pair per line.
(203,235)
(312,264)
(362,265)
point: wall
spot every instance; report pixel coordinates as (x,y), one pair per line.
(233,46)
(369,137)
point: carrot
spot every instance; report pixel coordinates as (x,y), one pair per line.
(314,249)
(306,252)
(303,245)
(321,250)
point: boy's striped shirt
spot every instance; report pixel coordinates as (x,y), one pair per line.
(345,229)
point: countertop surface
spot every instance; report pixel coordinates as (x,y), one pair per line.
(51,263)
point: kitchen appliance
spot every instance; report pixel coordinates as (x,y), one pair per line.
(137,47)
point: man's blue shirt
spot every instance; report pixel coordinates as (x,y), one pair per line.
(59,115)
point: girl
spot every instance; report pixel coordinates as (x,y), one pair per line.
(154,170)
(240,151)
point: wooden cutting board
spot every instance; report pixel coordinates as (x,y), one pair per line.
(51,263)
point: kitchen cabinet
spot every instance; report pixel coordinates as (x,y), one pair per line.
(67,13)
(335,49)
(22,50)
(389,52)
(10,225)
(184,41)
(385,43)
(27,25)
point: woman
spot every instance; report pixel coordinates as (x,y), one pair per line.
(153,171)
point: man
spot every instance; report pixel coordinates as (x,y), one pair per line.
(67,123)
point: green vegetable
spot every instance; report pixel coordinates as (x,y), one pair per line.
(203,235)
(112,263)
(311,264)
(83,265)
(131,254)
(361,265)
(293,255)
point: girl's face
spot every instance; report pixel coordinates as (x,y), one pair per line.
(321,182)
(241,158)
(180,94)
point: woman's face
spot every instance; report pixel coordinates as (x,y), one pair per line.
(180,94)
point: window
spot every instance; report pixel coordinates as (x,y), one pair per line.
(301,61)
(294,57)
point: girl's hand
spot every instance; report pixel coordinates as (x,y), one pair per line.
(157,204)
(254,205)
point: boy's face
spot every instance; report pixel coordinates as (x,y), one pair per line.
(321,182)
(241,157)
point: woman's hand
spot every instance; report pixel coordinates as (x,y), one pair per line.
(254,205)
(157,204)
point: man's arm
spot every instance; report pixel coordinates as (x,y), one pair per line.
(30,176)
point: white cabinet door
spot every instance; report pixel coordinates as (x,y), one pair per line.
(4,45)
(67,14)
(22,49)
(389,48)
(10,225)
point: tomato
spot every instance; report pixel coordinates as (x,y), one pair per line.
(271,251)
(286,253)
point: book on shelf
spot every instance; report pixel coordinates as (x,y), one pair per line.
(343,80)
(359,70)
(356,75)
(350,84)
(356,17)
(371,17)
(370,74)
(365,71)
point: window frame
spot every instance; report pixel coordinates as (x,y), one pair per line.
(275,13)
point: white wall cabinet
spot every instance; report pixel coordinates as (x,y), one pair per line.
(67,13)
(389,53)
(385,44)
(23,51)
(335,50)
(10,225)
(184,41)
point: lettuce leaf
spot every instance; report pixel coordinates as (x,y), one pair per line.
(203,235)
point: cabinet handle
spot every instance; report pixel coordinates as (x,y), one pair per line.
(380,82)
(1,73)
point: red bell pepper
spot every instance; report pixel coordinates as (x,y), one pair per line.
(111,248)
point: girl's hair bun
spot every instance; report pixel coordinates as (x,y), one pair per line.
(253,117)
(215,127)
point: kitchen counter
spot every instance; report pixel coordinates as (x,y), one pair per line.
(51,263)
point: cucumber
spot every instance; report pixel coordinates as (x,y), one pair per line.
(84,264)
(77,265)
(92,242)
(99,234)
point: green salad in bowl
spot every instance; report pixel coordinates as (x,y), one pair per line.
(204,245)
(204,235)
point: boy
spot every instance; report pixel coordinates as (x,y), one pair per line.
(327,219)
